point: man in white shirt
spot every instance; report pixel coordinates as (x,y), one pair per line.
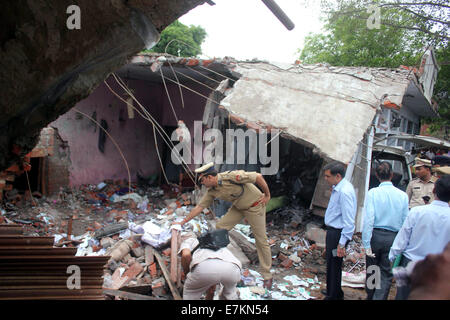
(206,268)
(386,210)
(425,231)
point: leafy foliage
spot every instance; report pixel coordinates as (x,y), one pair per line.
(183,41)
(406,29)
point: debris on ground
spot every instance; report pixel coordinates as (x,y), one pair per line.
(134,227)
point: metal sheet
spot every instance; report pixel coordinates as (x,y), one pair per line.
(32,268)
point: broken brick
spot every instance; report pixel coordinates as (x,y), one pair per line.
(132,272)
(287,263)
(282,257)
(294,233)
(137,252)
(152,270)
(131,261)
(97,225)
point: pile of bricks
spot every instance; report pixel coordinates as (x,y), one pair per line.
(139,268)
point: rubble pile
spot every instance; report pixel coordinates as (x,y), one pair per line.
(134,228)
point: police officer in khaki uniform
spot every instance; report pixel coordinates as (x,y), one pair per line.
(422,186)
(441,171)
(238,187)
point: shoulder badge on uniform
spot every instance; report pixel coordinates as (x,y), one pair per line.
(238,177)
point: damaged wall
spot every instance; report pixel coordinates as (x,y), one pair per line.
(45,68)
(134,136)
(55,168)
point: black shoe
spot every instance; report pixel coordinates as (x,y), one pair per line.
(324,292)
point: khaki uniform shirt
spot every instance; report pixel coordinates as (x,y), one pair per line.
(417,189)
(201,255)
(236,187)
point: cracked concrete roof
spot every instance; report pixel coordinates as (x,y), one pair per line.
(323,107)
(328,108)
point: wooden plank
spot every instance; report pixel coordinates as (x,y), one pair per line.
(127,295)
(166,274)
(69,228)
(179,285)
(145,289)
(174,256)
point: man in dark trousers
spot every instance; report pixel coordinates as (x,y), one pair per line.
(386,210)
(426,230)
(340,223)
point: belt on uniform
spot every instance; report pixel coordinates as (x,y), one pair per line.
(385,230)
(256,203)
(331,228)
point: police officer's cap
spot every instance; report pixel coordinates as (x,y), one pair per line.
(207,168)
(442,170)
(422,163)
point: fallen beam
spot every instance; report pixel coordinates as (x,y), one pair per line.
(166,274)
(127,295)
(174,256)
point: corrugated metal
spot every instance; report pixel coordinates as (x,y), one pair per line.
(31,268)
(10,229)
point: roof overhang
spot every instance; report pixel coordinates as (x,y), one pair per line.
(425,141)
(416,101)
(153,67)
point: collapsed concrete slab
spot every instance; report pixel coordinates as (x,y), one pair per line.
(328,108)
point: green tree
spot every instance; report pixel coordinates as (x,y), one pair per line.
(183,41)
(406,28)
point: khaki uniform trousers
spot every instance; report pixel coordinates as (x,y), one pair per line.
(211,272)
(256,217)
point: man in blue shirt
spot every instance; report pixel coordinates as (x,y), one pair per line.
(425,231)
(340,223)
(386,209)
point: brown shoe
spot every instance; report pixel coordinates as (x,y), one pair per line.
(268,284)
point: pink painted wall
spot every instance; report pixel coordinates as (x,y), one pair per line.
(194,106)
(134,136)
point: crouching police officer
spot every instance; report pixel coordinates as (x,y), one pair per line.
(238,187)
